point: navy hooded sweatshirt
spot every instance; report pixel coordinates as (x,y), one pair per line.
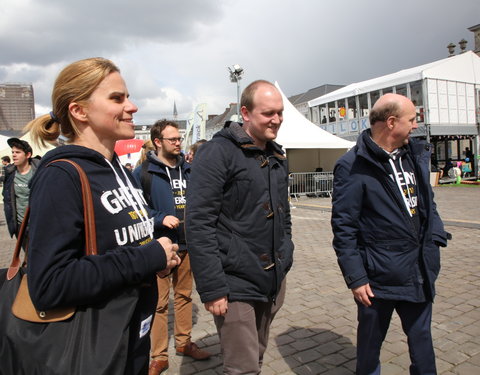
(59,273)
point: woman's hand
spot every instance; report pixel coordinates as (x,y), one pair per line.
(173,259)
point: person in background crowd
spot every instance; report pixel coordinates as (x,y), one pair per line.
(92,109)
(16,191)
(146,148)
(5,163)
(239,229)
(469,156)
(193,149)
(164,179)
(387,233)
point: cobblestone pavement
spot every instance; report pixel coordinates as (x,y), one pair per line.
(314,332)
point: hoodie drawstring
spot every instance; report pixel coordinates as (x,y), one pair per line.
(134,198)
(180,178)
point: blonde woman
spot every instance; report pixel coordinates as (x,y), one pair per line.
(92,109)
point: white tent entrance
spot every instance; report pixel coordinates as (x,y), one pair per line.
(311,152)
(307,146)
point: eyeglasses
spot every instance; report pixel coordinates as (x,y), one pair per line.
(173,140)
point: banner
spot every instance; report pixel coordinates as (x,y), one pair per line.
(128,146)
(188,130)
(199,122)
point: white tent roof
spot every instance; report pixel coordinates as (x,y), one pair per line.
(461,68)
(3,143)
(298,132)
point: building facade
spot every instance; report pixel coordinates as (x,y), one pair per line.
(17,106)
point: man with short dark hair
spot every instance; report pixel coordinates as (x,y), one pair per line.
(239,229)
(164,177)
(387,233)
(5,163)
(15,190)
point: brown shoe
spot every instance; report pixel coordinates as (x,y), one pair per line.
(157,367)
(192,350)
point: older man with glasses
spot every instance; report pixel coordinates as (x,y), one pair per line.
(164,176)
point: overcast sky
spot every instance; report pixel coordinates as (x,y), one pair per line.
(180,49)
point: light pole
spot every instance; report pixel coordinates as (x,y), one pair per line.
(236,73)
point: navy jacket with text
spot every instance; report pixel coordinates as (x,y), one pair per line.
(59,272)
(161,199)
(375,240)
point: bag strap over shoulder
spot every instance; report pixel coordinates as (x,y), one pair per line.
(88,211)
(88,217)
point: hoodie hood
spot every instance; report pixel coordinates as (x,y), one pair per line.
(73,151)
(152,157)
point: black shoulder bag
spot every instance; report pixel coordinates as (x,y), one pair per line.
(78,340)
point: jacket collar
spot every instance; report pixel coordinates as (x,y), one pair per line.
(235,132)
(369,150)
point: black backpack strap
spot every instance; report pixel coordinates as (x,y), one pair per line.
(146,182)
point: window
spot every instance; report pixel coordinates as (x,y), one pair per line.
(401,90)
(352,107)
(440,152)
(332,112)
(363,105)
(315,115)
(342,111)
(453,147)
(416,94)
(324,114)
(374,95)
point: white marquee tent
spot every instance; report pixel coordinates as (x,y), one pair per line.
(464,67)
(4,144)
(308,147)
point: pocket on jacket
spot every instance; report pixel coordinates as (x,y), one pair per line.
(239,259)
(240,194)
(432,259)
(391,262)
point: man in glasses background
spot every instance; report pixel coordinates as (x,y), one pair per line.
(164,176)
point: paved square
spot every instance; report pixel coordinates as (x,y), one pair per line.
(314,333)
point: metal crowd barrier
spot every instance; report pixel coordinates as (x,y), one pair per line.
(318,184)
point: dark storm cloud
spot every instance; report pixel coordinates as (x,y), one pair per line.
(41,32)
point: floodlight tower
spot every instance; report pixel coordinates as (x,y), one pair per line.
(236,72)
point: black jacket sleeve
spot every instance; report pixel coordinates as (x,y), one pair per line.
(204,201)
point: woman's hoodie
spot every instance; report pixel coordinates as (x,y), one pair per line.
(58,272)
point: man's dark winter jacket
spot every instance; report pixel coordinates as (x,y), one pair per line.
(9,202)
(161,196)
(59,273)
(238,218)
(374,237)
